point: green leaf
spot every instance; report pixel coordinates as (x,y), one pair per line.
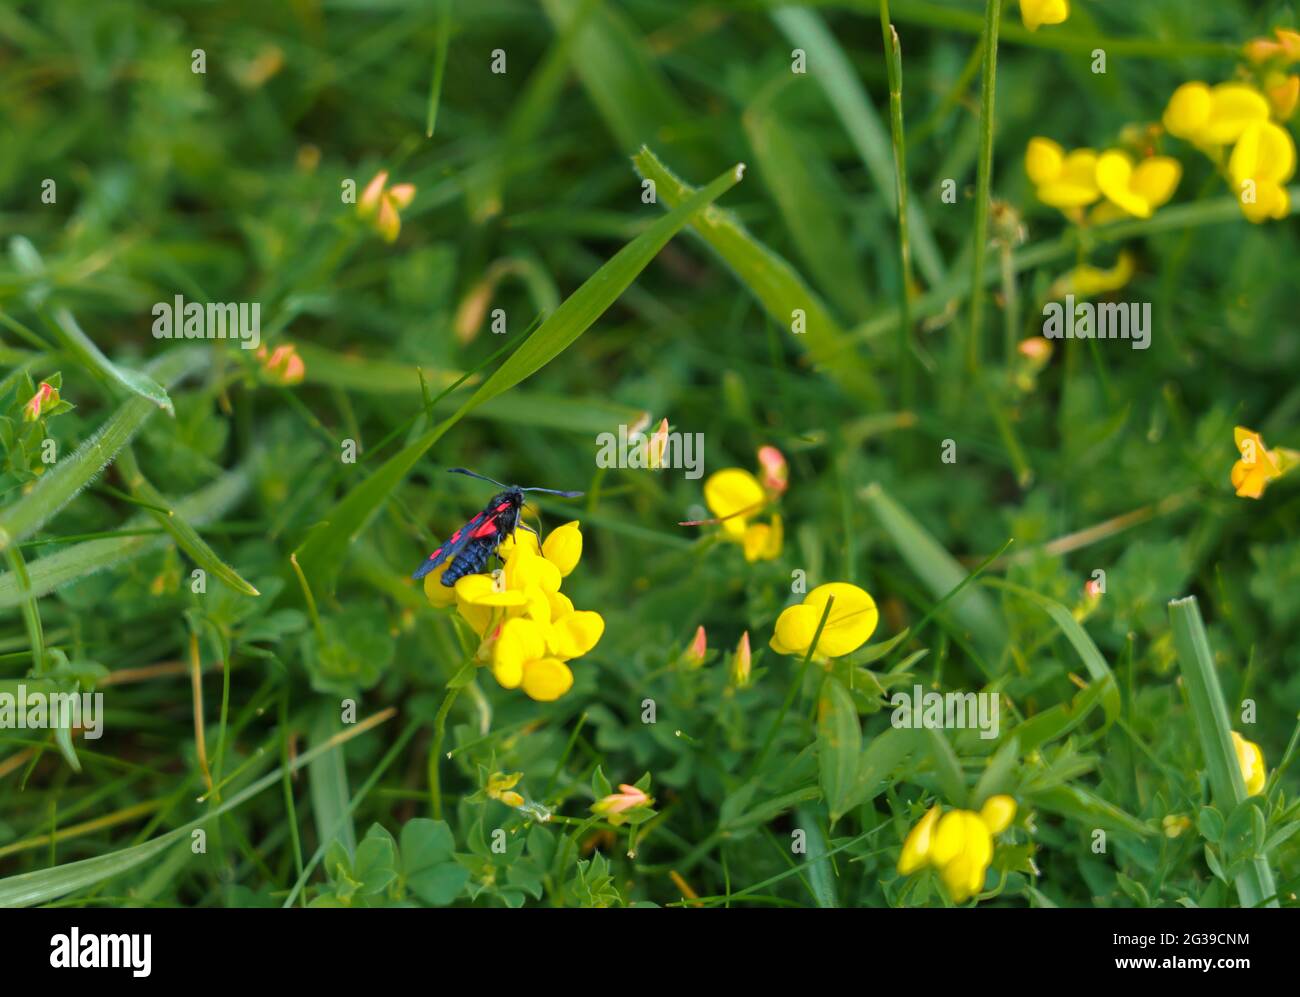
(871,141)
(324,550)
(425,843)
(821,871)
(776,284)
(375,865)
(839,747)
(186,537)
(56,489)
(83,350)
(328,778)
(939,571)
(796,172)
(1083,805)
(1079,640)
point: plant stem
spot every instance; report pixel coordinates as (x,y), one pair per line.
(992,16)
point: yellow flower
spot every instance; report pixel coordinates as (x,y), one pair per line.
(1060,180)
(998,812)
(1258,465)
(500,787)
(563,547)
(529,628)
(959,845)
(1038,12)
(1214,116)
(853,618)
(1251,760)
(735,497)
(1137,190)
(1087,281)
(962,850)
(1262,162)
(916,847)
(520,658)
(382,205)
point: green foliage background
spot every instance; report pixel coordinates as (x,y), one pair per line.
(225,186)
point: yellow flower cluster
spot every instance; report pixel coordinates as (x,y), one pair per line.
(528,627)
(1238,115)
(958,844)
(1071,181)
(737,498)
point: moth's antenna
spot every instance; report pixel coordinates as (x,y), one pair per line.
(552,491)
(475,474)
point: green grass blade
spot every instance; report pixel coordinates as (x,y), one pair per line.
(776,284)
(972,610)
(328,776)
(983,181)
(796,172)
(77,561)
(57,488)
(186,537)
(44,885)
(614,65)
(806,29)
(68,332)
(821,871)
(1255,884)
(323,551)
(439,67)
(1078,637)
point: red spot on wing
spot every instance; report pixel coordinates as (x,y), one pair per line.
(435,553)
(456,536)
(486,530)
(501,508)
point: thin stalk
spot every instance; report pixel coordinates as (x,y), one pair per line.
(992,17)
(894,62)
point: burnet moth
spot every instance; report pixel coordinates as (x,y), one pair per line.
(470,547)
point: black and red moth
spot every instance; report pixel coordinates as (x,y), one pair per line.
(470,547)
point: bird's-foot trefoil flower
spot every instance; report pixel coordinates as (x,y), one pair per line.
(529,630)
(737,498)
(1067,181)
(1262,161)
(382,205)
(742,663)
(1258,465)
(1251,760)
(852,620)
(1035,13)
(958,844)
(618,808)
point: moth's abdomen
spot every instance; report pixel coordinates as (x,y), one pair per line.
(470,561)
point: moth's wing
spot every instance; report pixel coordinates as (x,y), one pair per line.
(454,545)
